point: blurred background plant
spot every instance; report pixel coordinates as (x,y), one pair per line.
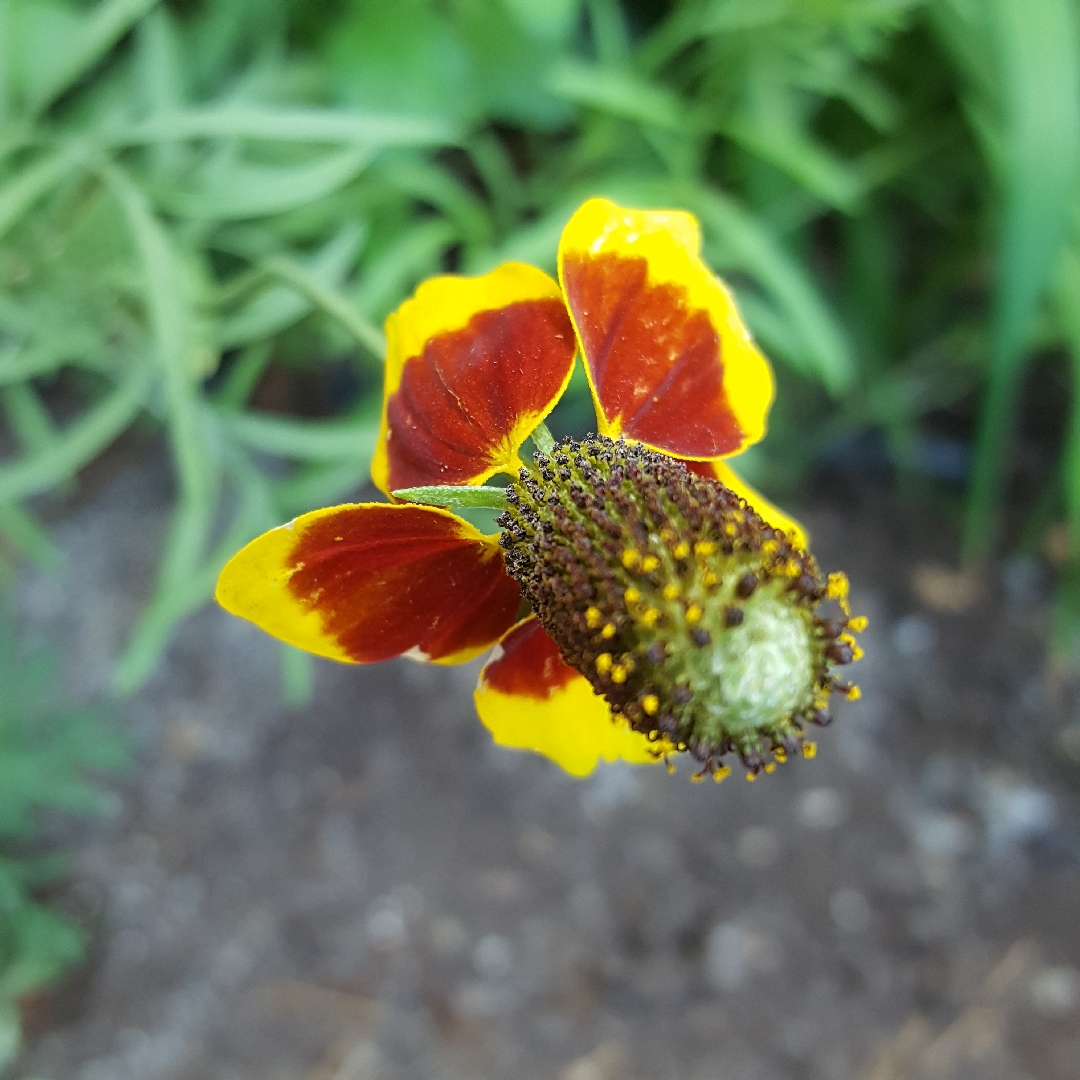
(48,749)
(207,207)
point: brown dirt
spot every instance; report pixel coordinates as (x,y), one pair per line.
(366,889)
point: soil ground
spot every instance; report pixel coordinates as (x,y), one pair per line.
(366,889)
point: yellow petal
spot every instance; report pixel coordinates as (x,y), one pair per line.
(530,700)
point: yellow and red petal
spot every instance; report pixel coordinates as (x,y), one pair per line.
(718,469)
(530,700)
(472,366)
(366,582)
(670,362)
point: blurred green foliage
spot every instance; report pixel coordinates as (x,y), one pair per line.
(202,201)
(47,751)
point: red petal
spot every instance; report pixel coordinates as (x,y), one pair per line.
(473,365)
(670,363)
(528,664)
(368,582)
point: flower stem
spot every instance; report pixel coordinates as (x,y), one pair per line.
(492,498)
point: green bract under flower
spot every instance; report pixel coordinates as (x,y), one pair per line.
(692,617)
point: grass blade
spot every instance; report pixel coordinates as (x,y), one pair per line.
(331,301)
(79,444)
(1040,81)
(287,125)
(28,185)
(304,440)
(619,93)
(240,191)
(281,306)
(101,30)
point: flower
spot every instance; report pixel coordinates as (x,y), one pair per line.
(641,598)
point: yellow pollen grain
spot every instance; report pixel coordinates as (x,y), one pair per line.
(651,704)
(649,616)
(603,663)
(853,693)
(649,564)
(838,589)
(856,653)
(671,592)
(694,613)
(780,754)
(696,778)
(593,618)
(770,767)
(809,750)
(858,624)
(709,579)
(632,595)
(721,774)
(792,568)
(669,765)
(751,777)
(682,549)
(704,547)
(770,547)
(608,631)
(630,558)
(618,673)
(729,529)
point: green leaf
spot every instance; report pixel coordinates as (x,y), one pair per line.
(32,182)
(305,440)
(331,301)
(172,326)
(413,255)
(318,485)
(1066,295)
(1040,86)
(235,190)
(296,675)
(78,444)
(72,45)
(28,417)
(10,1031)
(281,306)
(490,498)
(782,144)
(619,93)
(241,121)
(22,530)
(46,945)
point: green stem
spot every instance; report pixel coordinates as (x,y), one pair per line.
(330,301)
(490,498)
(242,378)
(1071,454)
(995,429)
